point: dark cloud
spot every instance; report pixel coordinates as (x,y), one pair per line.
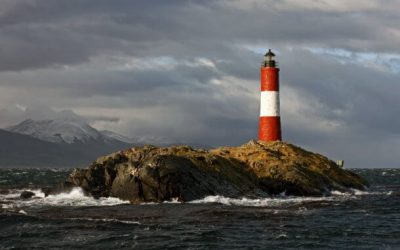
(41,33)
(188,70)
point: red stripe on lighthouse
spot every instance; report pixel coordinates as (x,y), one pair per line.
(270,122)
(269,79)
(269,128)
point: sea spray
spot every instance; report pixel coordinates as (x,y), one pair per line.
(75,197)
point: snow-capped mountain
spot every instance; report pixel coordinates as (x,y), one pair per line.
(19,150)
(58,142)
(61,142)
(113,135)
(58,130)
(131,140)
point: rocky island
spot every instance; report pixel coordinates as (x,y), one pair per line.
(255,169)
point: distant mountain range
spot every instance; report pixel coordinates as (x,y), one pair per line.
(64,130)
(66,141)
(63,142)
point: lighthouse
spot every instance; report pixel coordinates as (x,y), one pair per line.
(269,128)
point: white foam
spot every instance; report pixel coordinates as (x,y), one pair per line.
(75,197)
(282,200)
(261,202)
(282,236)
(14,194)
(22,212)
(7,206)
(173,201)
(356,192)
(108,220)
(338,193)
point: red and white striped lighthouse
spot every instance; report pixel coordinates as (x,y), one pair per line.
(269,128)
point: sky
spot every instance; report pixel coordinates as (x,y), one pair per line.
(188,71)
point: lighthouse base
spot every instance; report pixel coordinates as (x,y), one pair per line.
(269,128)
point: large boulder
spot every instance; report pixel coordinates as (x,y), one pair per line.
(152,174)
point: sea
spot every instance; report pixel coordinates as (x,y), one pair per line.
(354,220)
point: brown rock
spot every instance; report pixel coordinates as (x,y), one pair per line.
(151,174)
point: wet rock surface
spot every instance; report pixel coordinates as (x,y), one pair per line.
(27,195)
(255,169)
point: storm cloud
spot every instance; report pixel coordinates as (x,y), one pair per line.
(188,71)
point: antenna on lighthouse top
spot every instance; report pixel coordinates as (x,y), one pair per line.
(269,59)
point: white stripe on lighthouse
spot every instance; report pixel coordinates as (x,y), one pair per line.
(269,103)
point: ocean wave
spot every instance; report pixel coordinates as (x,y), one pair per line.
(106,220)
(286,200)
(356,192)
(75,197)
(260,202)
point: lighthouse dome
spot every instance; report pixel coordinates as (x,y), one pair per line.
(269,60)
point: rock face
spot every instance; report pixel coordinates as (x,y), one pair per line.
(152,174)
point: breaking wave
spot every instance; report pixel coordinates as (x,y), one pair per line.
(262,202)
(106,220)
(285,200)
(75,197)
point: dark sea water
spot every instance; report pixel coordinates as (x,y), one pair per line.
(355,220)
